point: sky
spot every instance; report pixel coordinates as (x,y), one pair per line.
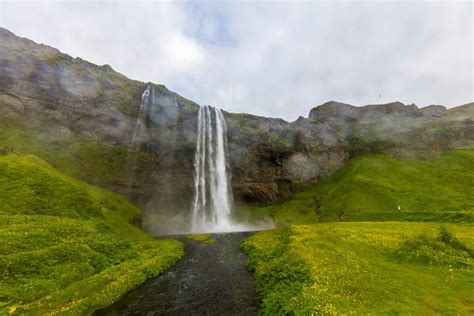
(277,59)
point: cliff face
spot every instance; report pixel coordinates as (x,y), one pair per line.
(272,158)
(82,117)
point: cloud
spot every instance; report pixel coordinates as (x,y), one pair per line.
(271,58)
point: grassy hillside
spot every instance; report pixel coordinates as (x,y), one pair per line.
(380,188)
(383,263)
(397,268)
(67,247)
(92,161)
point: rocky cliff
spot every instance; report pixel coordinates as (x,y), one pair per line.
(82,118)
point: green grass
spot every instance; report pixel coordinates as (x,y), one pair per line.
(446,250)
(373,187)
(68,247)
(92,161)
(377,255)
(205,238)
(397,268)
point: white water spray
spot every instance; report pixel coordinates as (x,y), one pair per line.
(212,207)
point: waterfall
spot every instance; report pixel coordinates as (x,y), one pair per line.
(211,209)
(142,112)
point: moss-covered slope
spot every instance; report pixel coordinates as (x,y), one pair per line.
(376,187)
(96,162)
(67,247)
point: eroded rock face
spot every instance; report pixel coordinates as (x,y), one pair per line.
(87,115)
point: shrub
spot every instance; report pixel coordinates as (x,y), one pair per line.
(443,250)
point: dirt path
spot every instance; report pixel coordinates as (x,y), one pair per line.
(209,280)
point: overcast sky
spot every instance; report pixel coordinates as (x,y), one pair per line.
(276,59)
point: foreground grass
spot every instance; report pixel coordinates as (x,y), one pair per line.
(380,188)
(376,255)
(362,268)
(67,247)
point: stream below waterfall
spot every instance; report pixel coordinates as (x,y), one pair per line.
(209,280)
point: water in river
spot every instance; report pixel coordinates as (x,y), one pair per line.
(209,280)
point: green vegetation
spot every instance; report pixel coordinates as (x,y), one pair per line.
(444,250)
(380,188)
(101,164)
(362,268)
(205,238)
(377,255)
(67,247)
(54,59)
(92,161)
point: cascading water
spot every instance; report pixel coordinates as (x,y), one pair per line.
(212,204)
(211,207)
(146,96)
